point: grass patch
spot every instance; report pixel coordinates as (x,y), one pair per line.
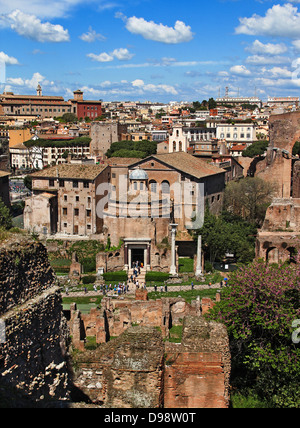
(188,296)
(175,334)
(186,265)
(239,401)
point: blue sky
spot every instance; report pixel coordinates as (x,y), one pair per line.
(150,49)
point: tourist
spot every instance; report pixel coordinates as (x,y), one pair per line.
(161,289)
(155,288)
(192,285)
(166,288)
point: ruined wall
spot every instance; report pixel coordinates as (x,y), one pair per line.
(126,372)
(296,180)
(277,167)
(32,356)
(197,371)
(139,370)
(116,316)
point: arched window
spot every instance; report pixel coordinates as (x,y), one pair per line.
(180,146)
(153,186)
(174,146)
(165,187)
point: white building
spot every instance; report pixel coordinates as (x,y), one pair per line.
(182,137)
(237,133)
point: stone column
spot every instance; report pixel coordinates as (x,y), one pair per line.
(199,257)
(126,257)
(173,270)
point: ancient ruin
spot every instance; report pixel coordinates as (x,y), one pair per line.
(135,365)
(33,367)
(139,370)
(279,237)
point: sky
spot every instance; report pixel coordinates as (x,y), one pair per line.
(156,50)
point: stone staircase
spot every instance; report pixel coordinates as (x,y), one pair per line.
(140,277)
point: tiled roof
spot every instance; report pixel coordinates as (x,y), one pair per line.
(189,164)
(73,172)
(122,161)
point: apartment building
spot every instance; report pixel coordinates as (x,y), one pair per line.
(65,199)
(237,133)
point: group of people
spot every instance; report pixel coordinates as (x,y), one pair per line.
(120,288)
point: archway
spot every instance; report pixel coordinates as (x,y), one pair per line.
(272,255)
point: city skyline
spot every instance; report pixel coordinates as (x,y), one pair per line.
(157,51)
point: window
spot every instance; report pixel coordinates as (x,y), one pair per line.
(142,186)
(76,212)
(51,183)
(75,184)
(65,211)
(77,198)
(65,198)
(153,186)
(165,187)
(135,185)
(89,227)
(61,183)
(86,185)
(88,213)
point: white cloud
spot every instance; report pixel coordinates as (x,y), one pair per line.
(279,21)
(29,83)
(267,49)
(91,36)
(264,60)
(121,54)
(32,28)
(240,70)
(103,57)
(41,8)
(9,60)
(158,32)
(140,84)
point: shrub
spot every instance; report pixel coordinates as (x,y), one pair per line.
(157,276)
(119,276)
(90,279)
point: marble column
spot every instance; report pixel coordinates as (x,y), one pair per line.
(126,257)
(199,257)
(173,270)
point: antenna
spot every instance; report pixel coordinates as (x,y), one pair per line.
(227,92)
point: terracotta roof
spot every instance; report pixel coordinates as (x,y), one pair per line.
(74,172)
(189,164)
(238,148)
(122,161)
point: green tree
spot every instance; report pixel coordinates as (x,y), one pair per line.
(296,149)
(249,198)
(5,216)
(259,309)
(256,149)
(227,233)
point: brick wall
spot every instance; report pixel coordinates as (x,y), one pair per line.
(32,358)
